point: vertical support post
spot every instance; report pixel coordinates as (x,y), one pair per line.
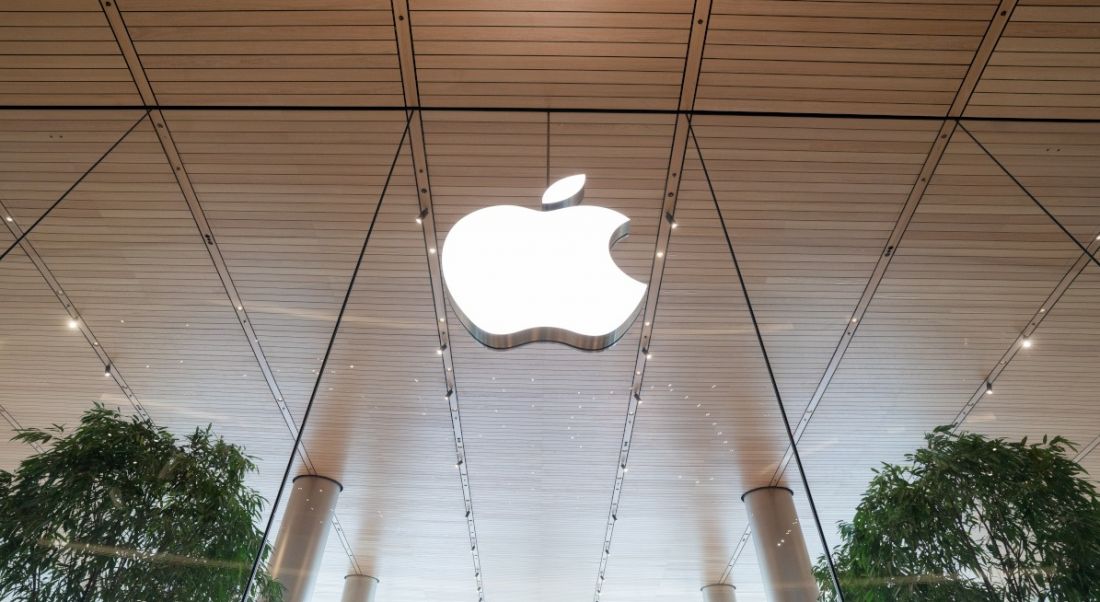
(719,592)
(300,546)
(780,547)
(359,588)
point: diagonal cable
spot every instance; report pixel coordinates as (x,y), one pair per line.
(1038,204)
(65,194)
(321,372)
(771,373)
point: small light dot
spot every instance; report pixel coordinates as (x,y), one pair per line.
(660,254)
(8,218)
(74,324)
(432,250)
(240,308)
(1026,343)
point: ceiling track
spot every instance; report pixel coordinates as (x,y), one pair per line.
(426,218)
(693,60)
(171,152)
(110,368)
(997,24)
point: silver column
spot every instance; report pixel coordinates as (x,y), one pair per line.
(300,546)
(780,548)
(719,592)
(359,588)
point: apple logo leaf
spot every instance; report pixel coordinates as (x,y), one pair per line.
(516,276)
(566,192)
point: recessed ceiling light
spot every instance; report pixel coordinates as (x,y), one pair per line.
(74,324)
(1026,343)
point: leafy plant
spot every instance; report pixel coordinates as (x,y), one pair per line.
(970,518)
(118,509)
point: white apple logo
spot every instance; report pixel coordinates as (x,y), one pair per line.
(516,275)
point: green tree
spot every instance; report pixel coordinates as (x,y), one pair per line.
(970,518)
(118,509)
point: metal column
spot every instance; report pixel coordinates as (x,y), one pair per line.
(359,588)
(719,592)
(300,546)
(780,547)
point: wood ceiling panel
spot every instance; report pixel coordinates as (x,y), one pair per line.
(604,54)
(542,423)
(382,427)
(1065,350)
(974,266)
(267,52)
(125,248)
(42,153)
(61,52)
(290,198)
(51,373)
(1047,64)
(839,57)
(1059,163)
(707,426)
(809,205)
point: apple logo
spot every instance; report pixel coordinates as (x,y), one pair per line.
(515,275)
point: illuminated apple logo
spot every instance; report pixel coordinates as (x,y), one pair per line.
(516,275)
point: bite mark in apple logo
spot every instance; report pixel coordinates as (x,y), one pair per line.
(516,276)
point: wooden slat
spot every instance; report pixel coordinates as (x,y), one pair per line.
(823,48)
(61,52)
(1060,39)
(192,49)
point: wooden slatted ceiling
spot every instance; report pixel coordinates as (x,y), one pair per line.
(1047,63)
(42,153)
(383,427)
(289,198)
(56,52)
(1058,162)
(707,428)
(126,250)
(1066,349)
(839,57)
(542,423)
(605,54)
(809,205)
(975,265)
(267,52)
(51,375)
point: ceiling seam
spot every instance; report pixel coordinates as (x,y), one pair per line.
(175,161)
(410,86)
(983,53)
(693,61)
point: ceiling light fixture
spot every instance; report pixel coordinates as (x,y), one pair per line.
(74,324)
(988,388)
(1026,343)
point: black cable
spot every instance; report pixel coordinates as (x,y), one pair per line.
(321,372)
(520,109)
(1083,248)
(771,374)
(65,194)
